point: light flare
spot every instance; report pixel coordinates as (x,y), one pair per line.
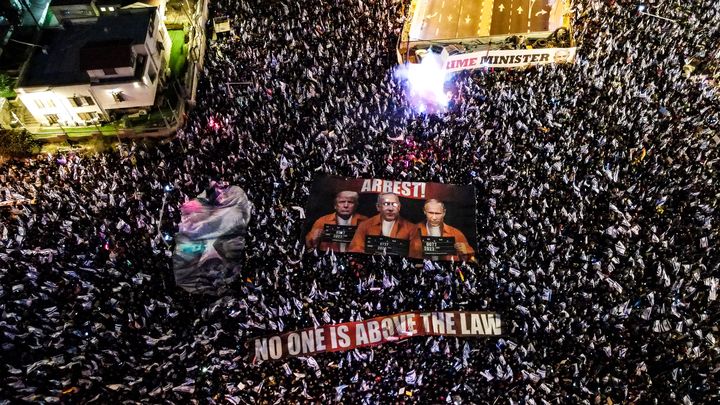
(424,84)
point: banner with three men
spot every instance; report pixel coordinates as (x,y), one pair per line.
(375,216)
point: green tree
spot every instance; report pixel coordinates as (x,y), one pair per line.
(7,85)
(17,143)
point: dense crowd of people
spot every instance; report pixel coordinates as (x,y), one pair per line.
(597,219)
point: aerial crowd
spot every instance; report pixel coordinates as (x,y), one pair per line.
(597,189)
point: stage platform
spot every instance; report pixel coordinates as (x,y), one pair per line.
(473,22)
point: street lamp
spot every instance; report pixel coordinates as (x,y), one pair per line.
(641,10)
(95,121)
(43,48)
(63,129)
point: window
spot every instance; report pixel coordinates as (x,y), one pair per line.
(109,71)
(39,104)
(151,26)
(111,8)
(103,9)
(88,116)
(51,104)
(81,101)
(52,118)
(152,75)
(140,60)
(160,46)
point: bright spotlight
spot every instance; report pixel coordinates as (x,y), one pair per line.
(425,84)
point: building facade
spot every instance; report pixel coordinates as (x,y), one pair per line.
(90,69)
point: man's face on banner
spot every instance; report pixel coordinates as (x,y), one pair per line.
(345,204)
(389,207)
(435,213)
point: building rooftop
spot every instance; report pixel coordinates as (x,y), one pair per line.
(59,60)
(106,54)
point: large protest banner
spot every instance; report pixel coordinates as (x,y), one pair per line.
(375,331)
(496,58)
(376,216)
(211,239)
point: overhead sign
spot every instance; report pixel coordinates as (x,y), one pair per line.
(508,58)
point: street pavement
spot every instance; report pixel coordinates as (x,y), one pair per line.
(519,16)
(453,19)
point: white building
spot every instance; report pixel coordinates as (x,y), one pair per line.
(85,71)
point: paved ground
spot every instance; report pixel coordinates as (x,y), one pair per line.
(519,16)
(451,19)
